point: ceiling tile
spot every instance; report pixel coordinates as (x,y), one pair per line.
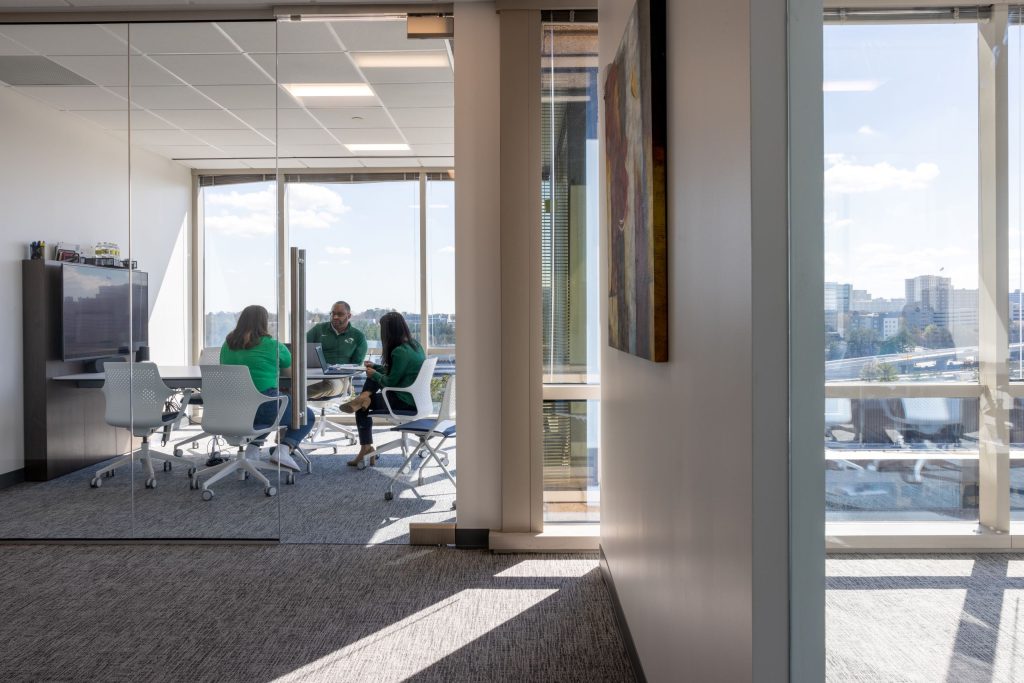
(110,70)
(434,150)
(429,136)
(284,118)
(302,136)
(76,97)
(187,152)
(305,37)
(310,68)
(312,151)
(119,120)
(353,117)
(180,39)
(337,102)
(163,138)
(367,135)
(170,97)
(242,96)
(201,119)
(270,164)
(423,117)
(10,48)
(436,162)
(215,164)
(380,35)
(68,39)
(391,75)
(416,94)
(332,162)
(251,36)
(225,138)
(383,162)
(249,151)
(214,69)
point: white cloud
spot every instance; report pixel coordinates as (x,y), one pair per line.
(844,177)
(314,207)
(243,225)
(338,250)
(867,130)
(264,200)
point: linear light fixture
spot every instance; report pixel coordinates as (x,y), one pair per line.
(329,89)
(371,147)
(399,60)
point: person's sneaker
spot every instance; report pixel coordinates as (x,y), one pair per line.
(281,456)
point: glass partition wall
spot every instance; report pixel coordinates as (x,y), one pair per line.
(923,418)
(569,243)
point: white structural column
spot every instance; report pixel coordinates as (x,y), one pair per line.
(993,265)
(521,378)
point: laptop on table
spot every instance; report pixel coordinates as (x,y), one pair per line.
(317,352)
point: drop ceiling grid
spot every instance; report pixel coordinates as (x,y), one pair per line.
(195,83)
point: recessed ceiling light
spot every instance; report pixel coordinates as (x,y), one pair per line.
(375,60)
(329,89)
(369,147)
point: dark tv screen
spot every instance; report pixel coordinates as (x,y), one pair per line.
(98,315)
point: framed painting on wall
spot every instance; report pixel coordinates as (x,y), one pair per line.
(635,123)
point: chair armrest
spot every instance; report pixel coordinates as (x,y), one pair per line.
(387,404)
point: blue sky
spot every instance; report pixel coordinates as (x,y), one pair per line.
(901,155)
(362,243)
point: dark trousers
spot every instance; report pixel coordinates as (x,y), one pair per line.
(364,417)
(268,411)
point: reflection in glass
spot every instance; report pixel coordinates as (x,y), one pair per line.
(441,262)
(901,459)
(571,481)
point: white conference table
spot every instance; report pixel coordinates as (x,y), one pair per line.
(189,376)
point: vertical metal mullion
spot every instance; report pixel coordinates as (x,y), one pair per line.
(993,266)
(424,334)
(283,270)
(197,249)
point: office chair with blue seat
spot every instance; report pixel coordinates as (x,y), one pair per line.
(136,398)
(420,392)
(426,429)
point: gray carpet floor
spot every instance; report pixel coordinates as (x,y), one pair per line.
(333,504)
(948,618)
(302,613)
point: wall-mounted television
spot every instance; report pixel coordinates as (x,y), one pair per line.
(104,311)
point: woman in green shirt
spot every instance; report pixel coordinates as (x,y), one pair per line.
(250,344)
(400,364)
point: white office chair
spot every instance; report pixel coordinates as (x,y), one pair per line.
(136,397)
(230,402)
(441,427)
(420,391)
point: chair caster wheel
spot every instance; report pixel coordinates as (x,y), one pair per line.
(95,482)
(151,483)
(168,466)
(271,491)
(290,478)
(178,452)
(207,494)
(388,495)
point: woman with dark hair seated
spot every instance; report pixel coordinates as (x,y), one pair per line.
(400,363)
(250,344)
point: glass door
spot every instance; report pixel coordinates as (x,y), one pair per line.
(204,97)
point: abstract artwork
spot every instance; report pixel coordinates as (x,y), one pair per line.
(635,140)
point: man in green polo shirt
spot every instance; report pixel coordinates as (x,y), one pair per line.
(342,343)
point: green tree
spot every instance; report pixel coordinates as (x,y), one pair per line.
(935,337)
(860,342)
(901,342)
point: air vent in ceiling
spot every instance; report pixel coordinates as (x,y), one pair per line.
(37,71)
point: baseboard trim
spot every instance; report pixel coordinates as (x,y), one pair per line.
(11,478)
(620,619)
(471,539)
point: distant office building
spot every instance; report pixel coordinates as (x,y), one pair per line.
(963,316)
(932,292)
(837,305)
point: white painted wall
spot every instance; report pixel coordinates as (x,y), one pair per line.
(61,179)
(477,264)
(694,451)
